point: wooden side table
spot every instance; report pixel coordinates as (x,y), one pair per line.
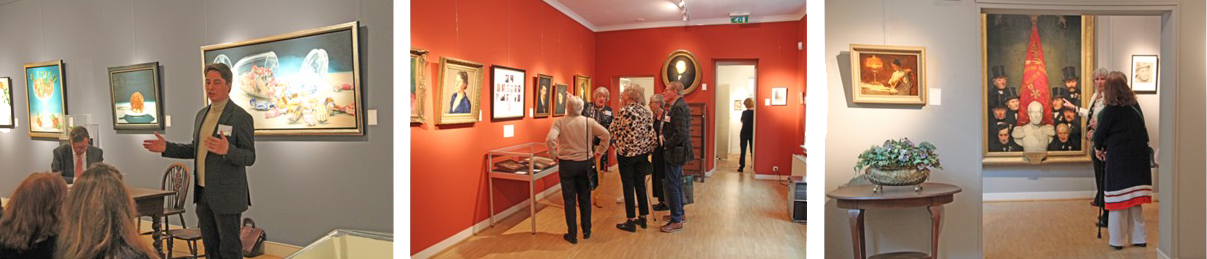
(857,198)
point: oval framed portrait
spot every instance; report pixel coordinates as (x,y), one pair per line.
(681,66)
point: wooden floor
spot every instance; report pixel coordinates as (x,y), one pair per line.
(1055,229)
(183,250)
(734,216)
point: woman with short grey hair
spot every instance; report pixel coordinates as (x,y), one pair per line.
(657,104)
(569,142)
(1091,114)
(633,129)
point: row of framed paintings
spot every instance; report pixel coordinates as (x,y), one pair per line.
(300,83)
(458,95)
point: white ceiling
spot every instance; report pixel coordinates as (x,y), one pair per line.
(612,15)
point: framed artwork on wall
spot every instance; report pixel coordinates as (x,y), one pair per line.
(888,74)
(460,90)
(1144,74)
(137,100)
(419,83)
(779,96)
(507,92)
(300,83)
(542,96)
(46,99)
(561,93)
(682,66)
(7,117)
(582,87)
(1032,65)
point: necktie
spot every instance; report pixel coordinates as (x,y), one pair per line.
(79,163)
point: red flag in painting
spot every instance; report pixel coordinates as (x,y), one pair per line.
(1035,80)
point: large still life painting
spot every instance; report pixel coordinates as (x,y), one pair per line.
(136,98)
(300,83)
(46,99)
(888,74)
(6,103)
(1033,65)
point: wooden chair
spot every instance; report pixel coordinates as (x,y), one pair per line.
(175,179)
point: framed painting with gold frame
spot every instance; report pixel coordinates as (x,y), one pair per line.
(682,66)
(7,115)
(419,84)
(888,74)
(542,96)
(300,83)
(459,95)
(582,87)
(1021,69)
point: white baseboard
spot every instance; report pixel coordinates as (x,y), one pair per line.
(710,172)
(1161,255)
(469,232)
(1025,196)
(771,177)
(270,248)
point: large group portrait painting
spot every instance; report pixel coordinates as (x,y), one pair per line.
(1034,66)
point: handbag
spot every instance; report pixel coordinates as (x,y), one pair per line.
(1152,155)
(592,174)
(252,238)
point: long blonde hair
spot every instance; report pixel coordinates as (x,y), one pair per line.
(33,212)
(98,218)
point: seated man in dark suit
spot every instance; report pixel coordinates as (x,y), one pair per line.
(77,156)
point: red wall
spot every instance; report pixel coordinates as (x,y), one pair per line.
(449,184)
(641,53)
(803,78)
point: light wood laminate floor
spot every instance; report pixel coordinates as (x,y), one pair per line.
(1055,229)
(734,216)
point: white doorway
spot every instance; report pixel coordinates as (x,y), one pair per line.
(736,81)
(646,83)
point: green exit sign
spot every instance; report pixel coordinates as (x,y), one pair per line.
(739,19)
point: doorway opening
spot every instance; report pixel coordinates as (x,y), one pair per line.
(736,81)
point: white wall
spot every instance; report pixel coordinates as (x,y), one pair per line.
(1118,37)
(733,82)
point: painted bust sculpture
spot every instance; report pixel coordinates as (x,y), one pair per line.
(1033,136)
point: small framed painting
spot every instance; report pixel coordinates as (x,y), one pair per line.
(888,74)
(137,101)
(559,99)
(507,92)
(418,83)
(6,104)
(46,99)
(1144,74)
(779,96)
(542,96)
(582,87)
(681,66)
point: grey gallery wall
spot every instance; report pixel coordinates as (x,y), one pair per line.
(301,186)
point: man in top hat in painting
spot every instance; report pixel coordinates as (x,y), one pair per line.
(1012,106)
(1071,90)
(998,91)
(1001,141)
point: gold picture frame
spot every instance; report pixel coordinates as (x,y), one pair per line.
(1084,71)
(685,68)
(46,99)
(459,73)
(582,87)
(312,100)
(419,84)
(888,74)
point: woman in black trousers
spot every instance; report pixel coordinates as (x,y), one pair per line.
(633,134)
(657,103)
(1092,114)
(746,137)
(569,142)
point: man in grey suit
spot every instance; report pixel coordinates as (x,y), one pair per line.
(76,156)
(223,147)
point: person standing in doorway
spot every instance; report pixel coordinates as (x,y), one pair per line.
(223,147)
(677,148)
(1091,114)
(1121,142)
(746,137)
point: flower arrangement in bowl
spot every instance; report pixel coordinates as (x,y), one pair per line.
(898,163)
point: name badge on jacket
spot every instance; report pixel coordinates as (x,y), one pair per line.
(225,130)
(666,118)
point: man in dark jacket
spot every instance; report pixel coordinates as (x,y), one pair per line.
(677,148)
(72,159)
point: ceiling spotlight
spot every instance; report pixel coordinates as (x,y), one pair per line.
(685,18)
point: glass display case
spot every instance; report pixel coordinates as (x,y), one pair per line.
(348,244)
(527,162)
